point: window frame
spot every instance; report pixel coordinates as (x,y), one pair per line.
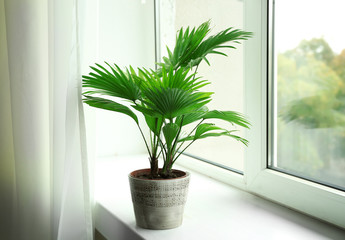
(302,195)
(317,200)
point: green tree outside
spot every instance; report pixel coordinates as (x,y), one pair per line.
(311,111)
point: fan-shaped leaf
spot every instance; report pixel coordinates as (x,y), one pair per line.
(116,83)
(203,128)
(110,105)
(192,46)
(172,102)
(206,130)
(192,116)
(229,116)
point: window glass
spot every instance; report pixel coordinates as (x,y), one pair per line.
(225,73)
(309,90)
(123,39)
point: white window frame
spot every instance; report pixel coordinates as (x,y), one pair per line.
(305,196)
(311,198)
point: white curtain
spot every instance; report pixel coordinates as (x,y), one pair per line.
(45,184)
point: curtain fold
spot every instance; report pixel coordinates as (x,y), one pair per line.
(7,173)
(45,167)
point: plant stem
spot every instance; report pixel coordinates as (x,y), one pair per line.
(151,141)
(162,147)
(183,151)
(196,68)
(154,167)
(155,143)
(147,146)
(189,143)
(160,152)
(158,133)
(177,135)
(190,133)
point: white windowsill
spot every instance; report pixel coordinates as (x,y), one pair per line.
(213,211)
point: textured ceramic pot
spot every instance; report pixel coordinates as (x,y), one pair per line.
(158,204)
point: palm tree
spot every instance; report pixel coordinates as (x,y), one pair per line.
(170,97)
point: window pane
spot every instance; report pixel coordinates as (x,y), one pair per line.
(225,73)
(309,83)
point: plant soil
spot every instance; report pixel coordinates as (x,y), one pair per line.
(147,175)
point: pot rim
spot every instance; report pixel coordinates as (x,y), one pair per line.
(131,175)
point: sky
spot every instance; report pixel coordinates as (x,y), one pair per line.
(306,19)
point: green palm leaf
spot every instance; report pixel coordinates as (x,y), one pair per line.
(192,46)
(203,128)
(229,116)
(206,130)
(170,78)
(170,131)
(172,102)
(116,83)
(110,105)
(218,41)
(203,113)
(192,116)
(154,123)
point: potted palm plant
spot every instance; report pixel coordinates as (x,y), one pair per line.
(169,98)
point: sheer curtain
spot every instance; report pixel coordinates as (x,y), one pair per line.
(45,184)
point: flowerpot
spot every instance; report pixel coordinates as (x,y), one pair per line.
(158,203)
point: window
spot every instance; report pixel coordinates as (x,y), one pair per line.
(262,62)
(308,91)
